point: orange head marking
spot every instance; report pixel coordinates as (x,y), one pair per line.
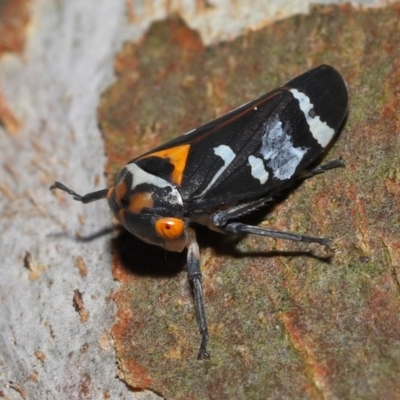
(120,190)
(110,193)
(169,228)
(139,201)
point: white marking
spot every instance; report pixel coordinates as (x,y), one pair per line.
(278,150)
(258,170)
(320,130)
(140,176)
(227,155)
(187,133)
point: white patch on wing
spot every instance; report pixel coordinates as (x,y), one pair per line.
(227,155)
(258,170)
(278,150)
(320,130)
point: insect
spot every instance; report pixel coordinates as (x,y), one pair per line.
(229,167)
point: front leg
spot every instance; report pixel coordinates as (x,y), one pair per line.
(193,265)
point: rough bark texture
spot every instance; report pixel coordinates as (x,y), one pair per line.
(285,320)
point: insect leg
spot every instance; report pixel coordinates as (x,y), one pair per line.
(238,227)
(193,265)
(320,169)
(87,198)
(221,217)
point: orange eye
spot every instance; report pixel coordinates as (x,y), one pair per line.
(169,228)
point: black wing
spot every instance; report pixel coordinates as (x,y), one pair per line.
(262,144)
